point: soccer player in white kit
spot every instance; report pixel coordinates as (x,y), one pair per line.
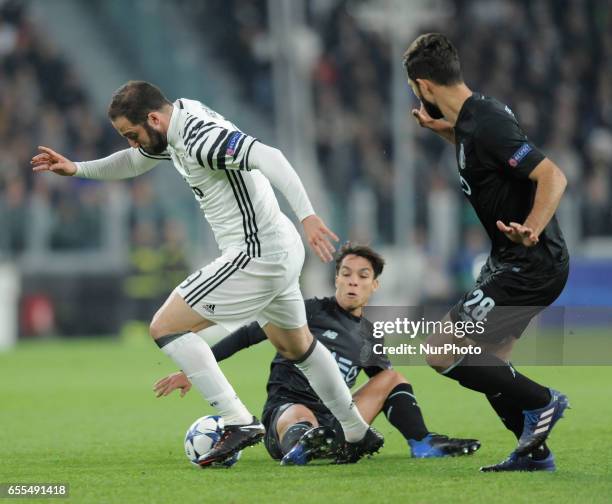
(255,278)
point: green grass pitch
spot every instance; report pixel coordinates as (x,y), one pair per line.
(82,412)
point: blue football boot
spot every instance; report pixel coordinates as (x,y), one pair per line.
(436,445)
(516,462)
(317,442)
(539,422)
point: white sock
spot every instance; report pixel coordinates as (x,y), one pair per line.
(193,355)
(324,376)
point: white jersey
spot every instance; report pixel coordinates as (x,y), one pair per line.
(215,158)
(212,156)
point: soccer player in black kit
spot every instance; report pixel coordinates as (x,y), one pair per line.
(298,425)
(515,191)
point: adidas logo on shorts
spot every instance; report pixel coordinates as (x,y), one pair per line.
(210,308)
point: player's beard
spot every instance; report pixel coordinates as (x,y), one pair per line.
(157,141)
(432,109)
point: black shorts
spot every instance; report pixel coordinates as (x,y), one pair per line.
(271,440)
(504,301)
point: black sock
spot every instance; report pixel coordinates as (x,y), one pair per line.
(512,417)
(293,435)
(508,412)
(490,375)
(403,412)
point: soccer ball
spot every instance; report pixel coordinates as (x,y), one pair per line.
(202,436)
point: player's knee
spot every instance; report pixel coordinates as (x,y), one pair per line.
(397,378)
(439,362)
(157,328)
(390,378)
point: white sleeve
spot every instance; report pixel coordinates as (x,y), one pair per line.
(277,169)
(123,164)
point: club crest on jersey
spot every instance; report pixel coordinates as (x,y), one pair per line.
(461,156)
(232,142)
(520,154)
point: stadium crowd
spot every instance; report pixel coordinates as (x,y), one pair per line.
(42,102)
(552,64)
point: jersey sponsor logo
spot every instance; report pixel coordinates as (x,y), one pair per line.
(232,142)
(520,154)
(347,369)
(330,334)
(461,156)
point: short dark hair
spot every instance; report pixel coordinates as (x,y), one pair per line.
(375,259)
(433,56)
(134,100)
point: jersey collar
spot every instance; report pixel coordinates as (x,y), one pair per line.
(467,105)
(173,127)
(345,312)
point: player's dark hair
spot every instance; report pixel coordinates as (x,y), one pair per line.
(134,100)
(432,56)
(375,259)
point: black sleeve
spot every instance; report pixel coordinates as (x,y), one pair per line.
(373,363)
(241,338)
(501,141)
(313,307)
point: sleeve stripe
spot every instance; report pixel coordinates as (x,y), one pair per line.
(209,157)
(201,137)
(188,123)
(196,127)
(246,157)
(161,157)
(223,153)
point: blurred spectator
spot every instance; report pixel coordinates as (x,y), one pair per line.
(157,264)
(43,103)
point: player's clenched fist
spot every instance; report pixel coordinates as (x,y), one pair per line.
(49,160)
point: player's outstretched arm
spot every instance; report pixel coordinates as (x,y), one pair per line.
(47,160)
(123,164)
(277,169)
(551,184)
(439,126)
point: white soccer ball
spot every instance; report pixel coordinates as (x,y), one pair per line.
(202,436)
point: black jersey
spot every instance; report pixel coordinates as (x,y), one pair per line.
(349,339)
(495,159)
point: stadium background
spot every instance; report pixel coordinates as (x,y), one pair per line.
(321,79)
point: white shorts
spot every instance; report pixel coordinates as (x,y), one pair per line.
(236,289)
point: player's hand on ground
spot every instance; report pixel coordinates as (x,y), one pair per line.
(518,233)
(49,160)
(318,236)
(426,121)
(172,382)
